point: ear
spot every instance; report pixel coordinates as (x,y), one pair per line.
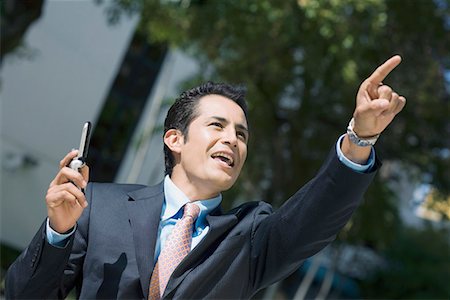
(173,138)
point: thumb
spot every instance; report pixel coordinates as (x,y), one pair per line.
(375,108)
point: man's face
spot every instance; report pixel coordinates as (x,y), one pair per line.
(212,156)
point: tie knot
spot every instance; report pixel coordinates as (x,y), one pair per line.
(191,210)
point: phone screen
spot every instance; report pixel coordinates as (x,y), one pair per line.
(84,142)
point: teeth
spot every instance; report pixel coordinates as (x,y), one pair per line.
(229,159)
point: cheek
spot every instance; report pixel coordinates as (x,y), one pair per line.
(243,153)
(201,142)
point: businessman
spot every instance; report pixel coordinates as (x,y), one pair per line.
(173,240)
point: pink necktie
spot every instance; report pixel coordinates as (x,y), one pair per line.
(177,246)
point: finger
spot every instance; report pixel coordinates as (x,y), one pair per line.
(396,105)
(382,71)
(375,108)
(69,187)
(68,175)
(75,191)
(401,105)
(65,192)
(85,172)
(66,196)
(393,104)
(385,92)
(66,160)
(56,198)
(79,195)
(372,91)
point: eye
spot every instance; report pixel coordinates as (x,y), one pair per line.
(242,135)
(216,124)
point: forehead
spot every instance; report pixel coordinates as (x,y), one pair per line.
(220,106)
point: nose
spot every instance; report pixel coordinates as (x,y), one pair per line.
(230,137)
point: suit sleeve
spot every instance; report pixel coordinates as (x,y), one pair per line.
(306,223)
(46,271)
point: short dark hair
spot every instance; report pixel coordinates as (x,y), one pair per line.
(184,110)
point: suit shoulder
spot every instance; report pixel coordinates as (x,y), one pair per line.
(119,190)
(117,187)
(121,186)
(251,207)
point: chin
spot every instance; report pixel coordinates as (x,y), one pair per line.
(223,182)
(228,184)
(226,187)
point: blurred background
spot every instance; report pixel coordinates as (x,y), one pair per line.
(121,63)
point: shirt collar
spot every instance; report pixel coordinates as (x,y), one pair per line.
(175,199)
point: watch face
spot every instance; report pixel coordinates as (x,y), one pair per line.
(364,143)
(360,142)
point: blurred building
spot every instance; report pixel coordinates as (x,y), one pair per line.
(76,67)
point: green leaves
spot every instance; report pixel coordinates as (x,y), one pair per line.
(303,62)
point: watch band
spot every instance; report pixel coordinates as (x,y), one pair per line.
(354,138)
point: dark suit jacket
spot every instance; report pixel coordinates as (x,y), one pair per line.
(111,254)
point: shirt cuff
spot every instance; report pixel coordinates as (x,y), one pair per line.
(352,165)
(57,239)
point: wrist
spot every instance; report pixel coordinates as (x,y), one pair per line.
(355,153)
(361,141)
(57,239)
(60,229)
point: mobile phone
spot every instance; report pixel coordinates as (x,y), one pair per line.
(78,162)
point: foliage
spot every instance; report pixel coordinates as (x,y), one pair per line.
(15,19)
(438,205)
(420,267)
(375,225)
(303,62)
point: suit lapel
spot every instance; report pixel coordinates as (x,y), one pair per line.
(219,224)
(144,210)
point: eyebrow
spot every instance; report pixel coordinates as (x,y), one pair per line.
(240,126)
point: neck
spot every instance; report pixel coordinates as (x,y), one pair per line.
(192,188)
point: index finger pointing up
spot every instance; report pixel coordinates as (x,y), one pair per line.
(382,71)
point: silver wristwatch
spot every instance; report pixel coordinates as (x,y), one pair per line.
(354,138)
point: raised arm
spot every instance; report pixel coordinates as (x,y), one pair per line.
(376,106)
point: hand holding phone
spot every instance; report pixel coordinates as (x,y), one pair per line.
(65,197)
(78,162)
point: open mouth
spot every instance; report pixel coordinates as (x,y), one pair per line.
(226,158)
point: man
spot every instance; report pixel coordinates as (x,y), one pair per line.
(116,241)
